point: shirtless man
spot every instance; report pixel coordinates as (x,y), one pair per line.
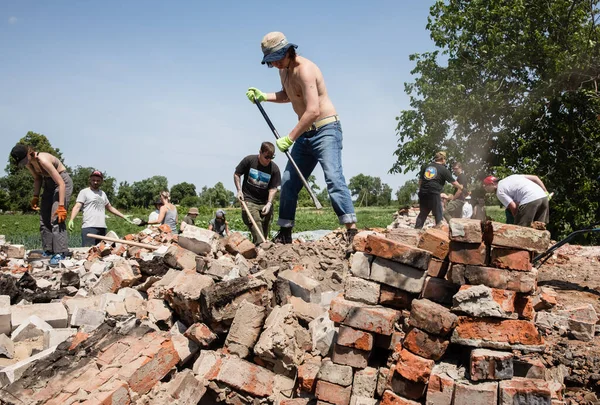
(317,137)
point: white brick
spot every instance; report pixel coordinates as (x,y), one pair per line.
(54,313)
(361,290)
(5,324)
(12,373)
(54,337)
(33,327)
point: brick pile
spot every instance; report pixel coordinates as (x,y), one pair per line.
(462,295)
(418,317)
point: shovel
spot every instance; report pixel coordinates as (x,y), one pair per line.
(310,192)
(252,220)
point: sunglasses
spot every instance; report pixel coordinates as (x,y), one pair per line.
(270,157)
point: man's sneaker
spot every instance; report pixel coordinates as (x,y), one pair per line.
(283,236)
(56,259)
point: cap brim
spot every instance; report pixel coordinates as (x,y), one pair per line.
(277,55)
(22,163)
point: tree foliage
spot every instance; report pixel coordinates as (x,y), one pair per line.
(18,183)
(81,175)
(217,196)
(147,190)
(124,198)
(407,191)
(370,191)
(512,88)
(182,190)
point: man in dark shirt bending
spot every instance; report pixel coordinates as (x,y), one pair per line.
(261,179)
(432,178)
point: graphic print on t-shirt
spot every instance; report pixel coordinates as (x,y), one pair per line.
(430,173)
(258,179)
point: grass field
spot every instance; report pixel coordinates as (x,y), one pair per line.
(24,229)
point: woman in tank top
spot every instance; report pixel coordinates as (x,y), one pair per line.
(167,213)
(50,175)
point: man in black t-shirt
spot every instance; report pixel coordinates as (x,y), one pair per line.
(432,178)
(455,205)
(261,179)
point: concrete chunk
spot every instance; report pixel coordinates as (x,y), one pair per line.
(302,286)
(361,265)
(5,322)
(32,328)
(54,313)
(54,337)
(7,347)
(90,318)
(361,290)
(335,373)
(12,373)
(245,329)
(398,275)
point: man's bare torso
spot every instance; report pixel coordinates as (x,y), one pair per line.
(291,79)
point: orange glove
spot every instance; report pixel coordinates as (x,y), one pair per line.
(61,214)
(34,203)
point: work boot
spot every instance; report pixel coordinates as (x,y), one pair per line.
(284,236)
(350,234)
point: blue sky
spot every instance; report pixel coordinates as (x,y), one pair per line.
(144,88)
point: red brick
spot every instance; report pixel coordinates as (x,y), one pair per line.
(113,351)
(466,230)
(295,401)
(435,241)
(357,339)
(425,345)
(165,228)
(158,365)
(360,240)
(307,375)
(361,316)
(432,317)
(349,356)
(408,236)
(82,380)
(519,237)
(180,258)
(414,368)
(247,377)
(544,299)
(440,389)
(389,398)
(439,290)
(468,253)
(524,391)
(79,338)
(236,243)
(437,268)
(512,259)
(519,281)
(60,399)
(514,304)
(398,252)
(466,393)
(496,333)
(403,387)
(529,368)
(114,393)
(201,334)
(491,365)
(394,297)
(333,393)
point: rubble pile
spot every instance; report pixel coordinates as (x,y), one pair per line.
(442,316)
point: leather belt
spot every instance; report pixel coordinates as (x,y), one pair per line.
(322,122)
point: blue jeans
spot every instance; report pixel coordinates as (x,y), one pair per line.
(322,146)
(85,241)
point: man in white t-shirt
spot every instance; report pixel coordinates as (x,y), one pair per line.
(525,196)
(94,203)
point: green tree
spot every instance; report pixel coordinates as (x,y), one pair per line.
(181,191)
(124,198)
(18,183)
(81,175)
(369,190)
(304,199)
(513,87)
(145,191)
(407,191)
(217,196)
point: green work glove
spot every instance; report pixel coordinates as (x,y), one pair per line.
(70,225)
(253,93)
(284,143)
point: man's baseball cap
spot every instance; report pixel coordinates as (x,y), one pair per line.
(490,181)
(97,173)
(274,46)
(19,153)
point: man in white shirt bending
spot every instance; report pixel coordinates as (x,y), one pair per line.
(525,196)
(94,203)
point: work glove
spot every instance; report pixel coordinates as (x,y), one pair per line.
(240,195)
(284,143)
(549,195)
(266,209)
(142,223)
(34,203)
(61,214)
(253,93)
(71,225)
